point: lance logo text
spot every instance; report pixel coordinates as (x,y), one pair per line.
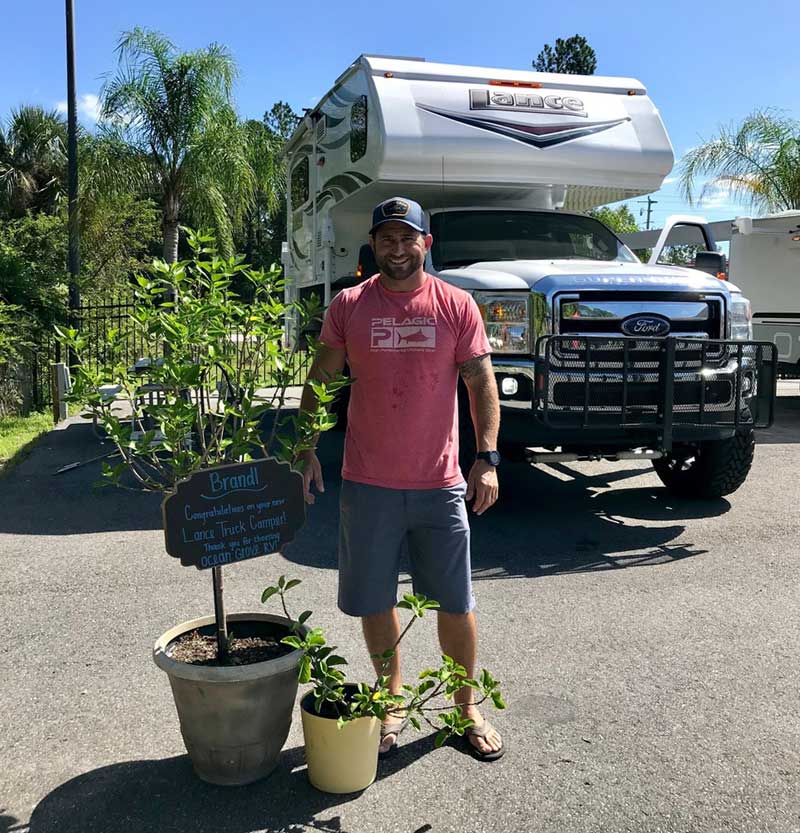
(526,102)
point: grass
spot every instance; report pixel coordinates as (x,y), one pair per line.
(17,436)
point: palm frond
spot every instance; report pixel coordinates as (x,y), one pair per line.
(756,162)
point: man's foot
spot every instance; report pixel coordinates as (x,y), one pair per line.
(484,740)
(390,734)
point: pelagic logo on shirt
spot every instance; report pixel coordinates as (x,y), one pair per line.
(403,334)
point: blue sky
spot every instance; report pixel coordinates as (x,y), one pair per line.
(704,63)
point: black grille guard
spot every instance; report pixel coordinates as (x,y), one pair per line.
(655,384)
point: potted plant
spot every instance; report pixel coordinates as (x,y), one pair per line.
(342,720)
(203,406)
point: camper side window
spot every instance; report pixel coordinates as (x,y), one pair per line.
(300,183)
(358,129)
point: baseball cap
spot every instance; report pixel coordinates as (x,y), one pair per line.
(402,211)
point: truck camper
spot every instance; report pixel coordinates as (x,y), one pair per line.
(596,355)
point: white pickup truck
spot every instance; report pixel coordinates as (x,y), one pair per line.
(596,354)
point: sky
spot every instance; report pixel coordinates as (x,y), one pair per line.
(704,63)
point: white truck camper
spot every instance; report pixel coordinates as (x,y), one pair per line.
(596,355)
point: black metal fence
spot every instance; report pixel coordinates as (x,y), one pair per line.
(94,319)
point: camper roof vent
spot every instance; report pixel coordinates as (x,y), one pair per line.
(322,125)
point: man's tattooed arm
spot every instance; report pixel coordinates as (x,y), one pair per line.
(484,402)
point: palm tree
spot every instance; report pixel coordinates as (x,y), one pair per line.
(758,162)
(33,158)
(171,130)
(269,168)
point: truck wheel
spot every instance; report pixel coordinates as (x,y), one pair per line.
(708,469)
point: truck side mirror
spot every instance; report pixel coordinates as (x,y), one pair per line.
(712,262)
(367,266)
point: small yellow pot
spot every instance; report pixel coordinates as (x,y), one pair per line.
(339,760)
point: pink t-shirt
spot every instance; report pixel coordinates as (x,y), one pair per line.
(404,349)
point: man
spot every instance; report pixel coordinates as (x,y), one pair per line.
(407,336)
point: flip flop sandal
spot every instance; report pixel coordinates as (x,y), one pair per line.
(396,727)
(481,732)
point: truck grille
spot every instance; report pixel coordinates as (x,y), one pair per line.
(594,381)
(603,313)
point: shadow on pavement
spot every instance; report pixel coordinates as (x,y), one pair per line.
(786,428)
(151,796)
(543,526)
(37,501)
(548,520)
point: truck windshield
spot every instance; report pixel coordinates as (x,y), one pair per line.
(464,237)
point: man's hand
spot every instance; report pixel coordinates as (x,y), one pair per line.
(482,485)
(312,471)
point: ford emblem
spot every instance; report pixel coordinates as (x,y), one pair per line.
(645,325)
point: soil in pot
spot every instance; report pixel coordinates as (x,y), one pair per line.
(248,643)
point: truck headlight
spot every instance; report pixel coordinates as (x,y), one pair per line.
(507,321)
(740,319)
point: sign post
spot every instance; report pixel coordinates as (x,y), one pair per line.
(232,513)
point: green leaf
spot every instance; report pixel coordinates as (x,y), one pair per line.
(268,592)
(498,700)
(336,660)
(304,675)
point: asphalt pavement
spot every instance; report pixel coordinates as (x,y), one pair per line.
(647,648)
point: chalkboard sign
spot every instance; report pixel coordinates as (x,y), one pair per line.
(231,513)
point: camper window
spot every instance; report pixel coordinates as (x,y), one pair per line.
(358,129)
(300,183)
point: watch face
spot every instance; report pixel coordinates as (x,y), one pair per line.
(491,457)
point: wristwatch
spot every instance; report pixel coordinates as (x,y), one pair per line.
(491,457)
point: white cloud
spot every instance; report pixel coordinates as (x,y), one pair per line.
(88,107)
(669,180)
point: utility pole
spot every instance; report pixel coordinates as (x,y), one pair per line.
(650,203)
(72,173)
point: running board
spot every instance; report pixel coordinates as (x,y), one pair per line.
(534,457)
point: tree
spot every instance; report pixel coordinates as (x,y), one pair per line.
(757,162)
(33,159)
(619,220)
(174,112)
(265,223)
(263,153)
(281,120)
(573,56)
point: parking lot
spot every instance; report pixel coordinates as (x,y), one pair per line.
(647,648)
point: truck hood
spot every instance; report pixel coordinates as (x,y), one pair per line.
(549,275)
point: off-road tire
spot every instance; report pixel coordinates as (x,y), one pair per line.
(710,469)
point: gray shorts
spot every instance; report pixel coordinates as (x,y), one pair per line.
(378,526)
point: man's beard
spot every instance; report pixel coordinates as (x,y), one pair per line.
(400,273)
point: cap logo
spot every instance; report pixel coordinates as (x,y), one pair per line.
(395,208)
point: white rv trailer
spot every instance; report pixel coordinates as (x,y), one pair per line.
(763,262)
(595,354)
(464,136)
